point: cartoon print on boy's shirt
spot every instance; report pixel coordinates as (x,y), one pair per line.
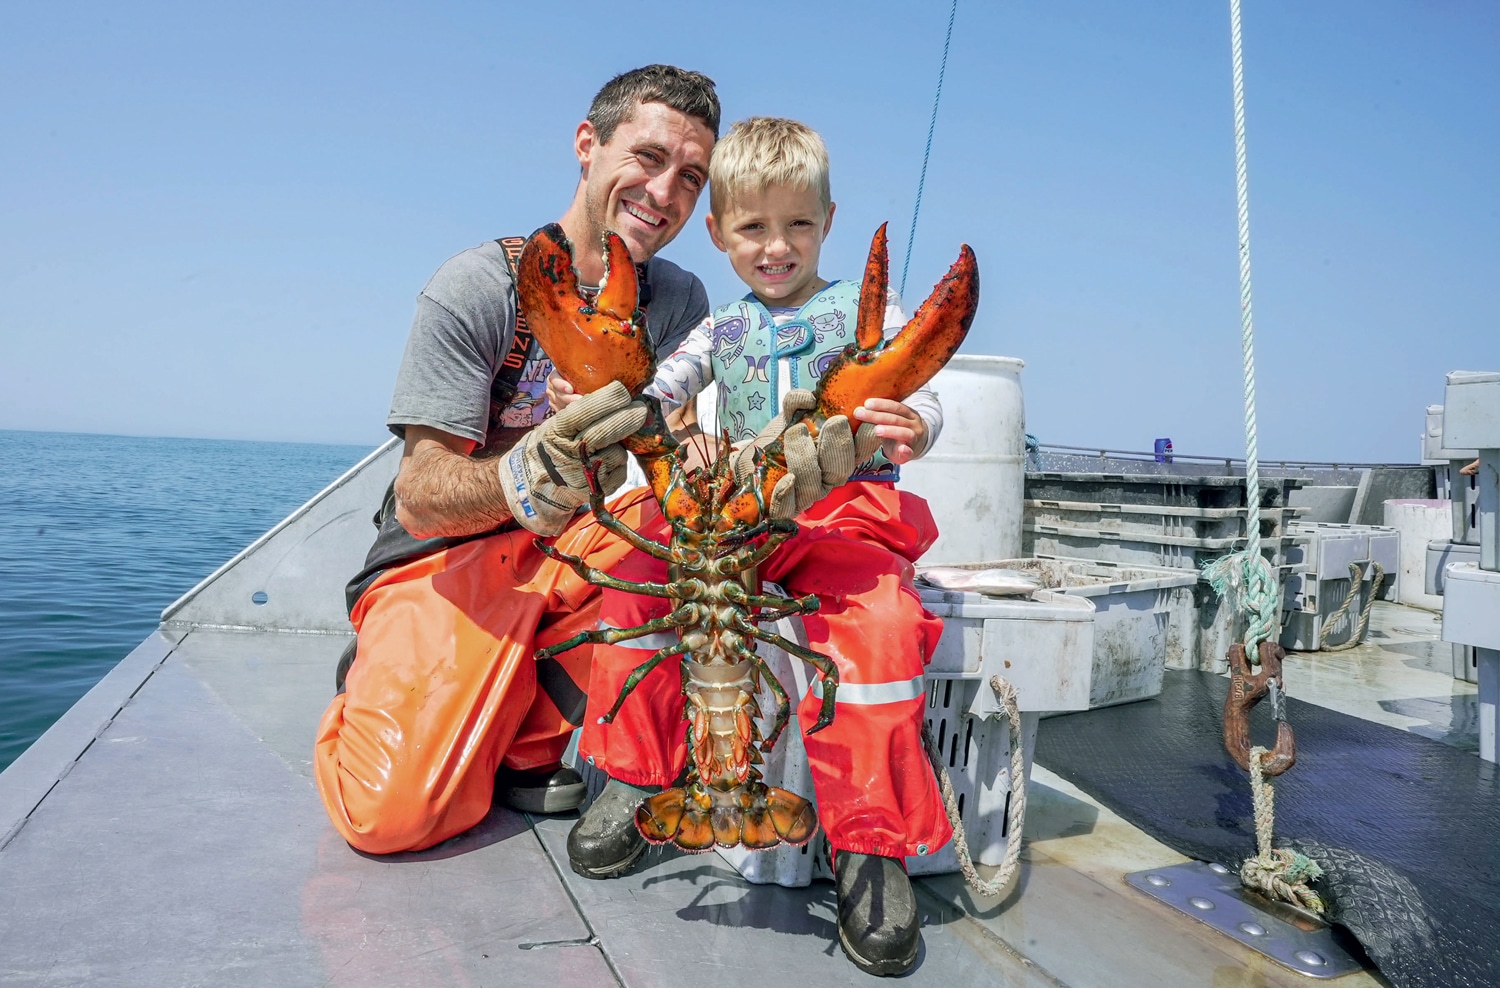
(828,322)
(730,336)
(755,370)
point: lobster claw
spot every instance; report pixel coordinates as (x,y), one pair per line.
(1246,689)
(874,367)
(590,343)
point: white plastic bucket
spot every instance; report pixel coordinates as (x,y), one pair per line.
(974,477)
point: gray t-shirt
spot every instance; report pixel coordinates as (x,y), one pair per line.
(466,318)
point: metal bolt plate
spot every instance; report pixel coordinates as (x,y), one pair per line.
(1212,895)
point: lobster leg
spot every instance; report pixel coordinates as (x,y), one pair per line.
(639,673)
(608,519)
(799,606)
(784,606)
(680,618)
(599,578)
(746,558)
(783,702)
(817,660)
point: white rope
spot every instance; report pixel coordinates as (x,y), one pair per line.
(1006,693)
(1279,872)
(1260,596)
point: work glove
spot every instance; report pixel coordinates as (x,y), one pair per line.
(542,476)
(814,466)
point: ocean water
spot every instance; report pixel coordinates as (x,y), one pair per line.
(99,533)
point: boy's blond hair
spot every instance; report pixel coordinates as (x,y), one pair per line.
(764,151)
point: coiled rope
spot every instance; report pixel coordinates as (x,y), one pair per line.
(927,154)
(1247,576)
(1015,820)
(1356,580)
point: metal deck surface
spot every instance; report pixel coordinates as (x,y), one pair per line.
(166,831)
(187,845)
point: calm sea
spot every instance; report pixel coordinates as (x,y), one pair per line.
(99,533)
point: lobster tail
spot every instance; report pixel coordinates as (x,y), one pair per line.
(756,815)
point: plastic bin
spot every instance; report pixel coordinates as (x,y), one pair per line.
(1320,583)
(1149,520)
(1442,553)
(1144,619)
(1041,644)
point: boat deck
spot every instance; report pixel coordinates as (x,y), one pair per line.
(167,832)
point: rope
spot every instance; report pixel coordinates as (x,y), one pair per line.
(1259,593)
(1015,823)
(1356,579)
(931,128)
(1277,872)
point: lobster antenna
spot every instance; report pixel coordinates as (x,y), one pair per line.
(926,155)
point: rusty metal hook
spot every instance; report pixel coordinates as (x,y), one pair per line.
(1248,687)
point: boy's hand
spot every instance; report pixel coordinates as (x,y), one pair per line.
(560,393)
(901,430)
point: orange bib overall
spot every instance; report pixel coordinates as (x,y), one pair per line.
(444,687)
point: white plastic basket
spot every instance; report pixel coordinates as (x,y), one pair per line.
(1042,644)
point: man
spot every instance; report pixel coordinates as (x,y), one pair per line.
(443,700)
(443,692)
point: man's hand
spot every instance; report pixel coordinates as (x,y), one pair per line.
(543,477)
(902,431)
(1471,469)
(815,466)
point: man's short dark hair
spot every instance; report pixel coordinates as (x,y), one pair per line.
(691,93)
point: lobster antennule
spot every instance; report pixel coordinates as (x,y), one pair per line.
(870,327)
(591,344)
(911,358)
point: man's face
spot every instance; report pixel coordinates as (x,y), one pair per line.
(644,183)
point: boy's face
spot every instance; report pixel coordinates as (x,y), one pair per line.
(773,239)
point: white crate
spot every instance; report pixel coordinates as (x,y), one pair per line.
(1442,553)
(1042,645)
(1144,619)
(1321,554)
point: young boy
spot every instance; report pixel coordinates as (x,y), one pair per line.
(877,799)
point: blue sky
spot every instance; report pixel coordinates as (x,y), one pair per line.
(214,218)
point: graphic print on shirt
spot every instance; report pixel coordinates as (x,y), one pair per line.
(513,413)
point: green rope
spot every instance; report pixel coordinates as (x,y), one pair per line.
(931,129)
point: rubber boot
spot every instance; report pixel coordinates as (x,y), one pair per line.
(558,789)
(879,927)
(604,843)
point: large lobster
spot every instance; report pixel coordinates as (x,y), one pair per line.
(721,528)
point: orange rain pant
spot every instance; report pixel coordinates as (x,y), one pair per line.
(855,549)
(444,686)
